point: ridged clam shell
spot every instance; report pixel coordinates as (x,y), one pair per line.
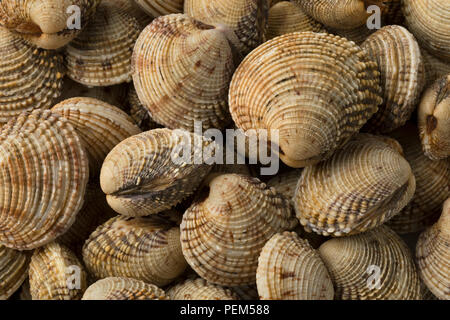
(290,269)
(132,8)
(434,119)
(13,270)
(316,89)
(434,67)
(200,289)
(223,232)
(433,255)
(140,176)
(119,288)
(45,22)
(44,172)
(429,20)
(101,54)
(361,186)
(181,71)
(402,76)
(139,112)
(353,263)
(157,8)
(146,249)
(30,78)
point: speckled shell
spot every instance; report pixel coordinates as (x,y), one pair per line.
(316,89)
(434,67)
(432,185)
(223,232)
(101,54)
(402,76)
(286,17)
(119,288)
(434,119)
(45,22)
(361,186)
(99,125)
(30,78)
(181,71)
(140,176)
(157,8)
(200,289)
(44,171)
(353,263)
(429,20)
(51,270)
(433,255)
(139,112)
(13,270)
(131,7)
(246,19)
(357,35)
(146,249)
(290,269)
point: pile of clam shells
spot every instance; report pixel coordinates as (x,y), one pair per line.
(94,205)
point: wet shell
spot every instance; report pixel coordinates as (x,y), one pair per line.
(157,8)
(143,175)
(118,288)
(429,20)
(181,72)
(433,255)
(30,78)
(316,89)
(56,274)
(13,271)
(200,289)
(146,249)
(434,119)
(434,68)
(131,7)
(45,22)
(139,112)
(290,269)
(356,262)
(101,54)
(360,187)
(44,172)
(223,232)
(402,76)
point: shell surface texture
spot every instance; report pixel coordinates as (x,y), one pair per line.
(156,8)
(139,112)
(133,9)
(434,68)
(13,270)
(200,289)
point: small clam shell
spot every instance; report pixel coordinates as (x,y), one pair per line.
(434,119)
(139,112)
(44,172)
(132,8)
(119,288)
(223,232)
(13,270)
(356,263)
(100,55)
(200,289)
(146,249)
(290,269)
(316,89)
(360,187)
(434,67)
(402,76)
(433,255)
(142,175)
(157,8)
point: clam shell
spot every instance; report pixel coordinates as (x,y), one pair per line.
(181,71)
(433,255)
(353,263)
(146,249)
(434,68)
(156,8)
(200,289)
(13,270)
(56,274)
(286,182)
(361,186)
(132,8)
(290,269)
(223,232)
(30,78)
(316,89)
(357,35)
(434,119)
(100,55)
(44,172)
(139,112)
(402,76)
(119,288)
(140,176)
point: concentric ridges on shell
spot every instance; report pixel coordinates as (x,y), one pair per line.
(13,270)
(200,289)
(157,8)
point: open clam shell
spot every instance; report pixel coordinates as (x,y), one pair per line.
(156,8)
(200,289)
(13,270)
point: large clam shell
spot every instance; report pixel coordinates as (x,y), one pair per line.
(200,289)
(157,8)
(13,270)
(316,89)
(356,263)
(361,186)
(223,232)
(44,172)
